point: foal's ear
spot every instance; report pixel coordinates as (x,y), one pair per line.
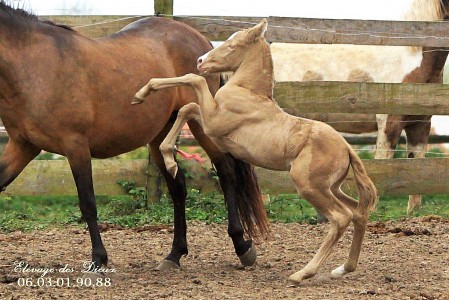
(257,31)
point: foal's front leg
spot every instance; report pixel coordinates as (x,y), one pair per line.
(186,113)
(78,154)
(206,101)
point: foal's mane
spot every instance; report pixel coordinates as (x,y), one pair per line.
(23,15)
(268,64)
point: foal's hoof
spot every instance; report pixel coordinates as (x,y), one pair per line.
(167,264)
(249,258)
(173,169)
(294,281)
(137,100)
(300,276)
(339,272)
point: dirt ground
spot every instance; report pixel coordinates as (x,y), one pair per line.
(400,260)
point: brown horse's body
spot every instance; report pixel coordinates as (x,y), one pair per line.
(90,89)
(68,94)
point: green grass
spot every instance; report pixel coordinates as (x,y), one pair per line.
(30,213)
(393,208)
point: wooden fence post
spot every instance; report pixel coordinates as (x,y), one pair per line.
(153,181)
(163,7)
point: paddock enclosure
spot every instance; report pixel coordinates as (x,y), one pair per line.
(399,260)
(391,177)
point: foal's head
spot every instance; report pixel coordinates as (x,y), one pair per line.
(229,55)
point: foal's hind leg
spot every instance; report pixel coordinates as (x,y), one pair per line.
(360,221)
(313,188)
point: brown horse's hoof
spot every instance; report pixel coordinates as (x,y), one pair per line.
(249,258)
(167,264)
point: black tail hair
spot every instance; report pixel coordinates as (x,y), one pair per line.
(249,201)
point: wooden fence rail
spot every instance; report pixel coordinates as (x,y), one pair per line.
(359,97)
(288,30)
(327,31)
(353,139)
(391,177)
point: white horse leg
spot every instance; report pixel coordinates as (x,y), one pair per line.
(384,147)
(327,204)
(417,136)
(186,113)
(416,151)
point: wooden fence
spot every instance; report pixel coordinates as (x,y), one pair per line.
(392,177)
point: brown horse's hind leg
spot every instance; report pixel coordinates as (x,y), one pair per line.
(78,155)
(15,157)
(177,189)
(230,179)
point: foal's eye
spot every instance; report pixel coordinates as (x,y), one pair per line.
(231,46)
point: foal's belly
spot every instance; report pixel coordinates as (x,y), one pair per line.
(265,152)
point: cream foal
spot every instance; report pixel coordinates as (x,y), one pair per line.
(245,121)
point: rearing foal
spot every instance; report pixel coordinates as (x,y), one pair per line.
(245,121)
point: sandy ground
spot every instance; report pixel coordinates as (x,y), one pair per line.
(400,260)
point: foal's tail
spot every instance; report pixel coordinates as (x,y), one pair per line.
(366,188)
(249,201)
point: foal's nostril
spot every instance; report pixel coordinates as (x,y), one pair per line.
(199,61)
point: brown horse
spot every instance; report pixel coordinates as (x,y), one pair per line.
(316,156)
(69,94)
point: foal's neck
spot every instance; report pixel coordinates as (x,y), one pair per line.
(256,70)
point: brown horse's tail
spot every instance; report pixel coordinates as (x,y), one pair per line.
(366,188)
(249,201)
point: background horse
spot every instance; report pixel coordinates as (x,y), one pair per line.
(316,156)
(296,62)
(68,94)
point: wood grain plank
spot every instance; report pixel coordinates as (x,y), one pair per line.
(391,177)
